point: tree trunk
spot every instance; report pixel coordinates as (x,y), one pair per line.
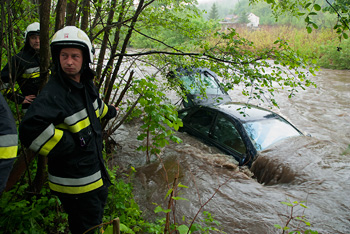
(98,15)
(104,43)
(110,82)
(107,71)
(27,156)
(45,7)
(60,14)
(2,15)
(71,12)
(21,165)
(86,13)
(44,41)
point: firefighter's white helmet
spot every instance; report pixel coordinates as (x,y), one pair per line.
(71,36)
(33,28)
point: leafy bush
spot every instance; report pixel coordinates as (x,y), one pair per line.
(121,204)
(294,222)
(22,212)
(335,55)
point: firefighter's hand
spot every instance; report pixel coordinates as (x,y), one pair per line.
(29,99)
(116,108)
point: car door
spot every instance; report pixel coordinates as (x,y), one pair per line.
(228,138)
(218,130)
(199,123)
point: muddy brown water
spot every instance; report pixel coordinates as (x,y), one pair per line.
(313,169)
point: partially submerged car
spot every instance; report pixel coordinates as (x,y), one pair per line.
(237,129)
(201,85)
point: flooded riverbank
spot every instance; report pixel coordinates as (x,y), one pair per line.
(312,169)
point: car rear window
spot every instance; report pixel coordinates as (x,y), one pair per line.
(194,82)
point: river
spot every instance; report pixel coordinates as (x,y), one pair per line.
(314,170)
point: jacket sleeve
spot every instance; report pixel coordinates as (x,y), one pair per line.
(37,130)
(106,111)
(5,78)
(8,131)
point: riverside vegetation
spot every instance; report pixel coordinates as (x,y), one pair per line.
(322,45)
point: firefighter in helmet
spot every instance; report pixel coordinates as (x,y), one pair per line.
(21,75)
(64,123)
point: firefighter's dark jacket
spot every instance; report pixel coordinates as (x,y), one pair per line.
(25,70)
(63,123)
(8,131)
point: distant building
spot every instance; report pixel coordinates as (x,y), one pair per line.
(231,18)
(232,21)
(253,20)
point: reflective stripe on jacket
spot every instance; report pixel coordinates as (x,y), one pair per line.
(8,131)
(76,186)
(8,146)
(31,73)
(63,123)
(48,138)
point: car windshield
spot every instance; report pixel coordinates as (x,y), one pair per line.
(194,82)
(266,132)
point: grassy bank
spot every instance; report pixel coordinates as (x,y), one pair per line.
(321,44)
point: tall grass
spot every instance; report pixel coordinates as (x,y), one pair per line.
(321,44)
(335,55)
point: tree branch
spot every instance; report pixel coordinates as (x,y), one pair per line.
(184,54)
(339,16)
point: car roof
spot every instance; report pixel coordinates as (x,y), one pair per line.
(186,71)
(245,112)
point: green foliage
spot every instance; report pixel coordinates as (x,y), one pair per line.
(22,14)
(214,14)
(158,116)
(178,28)
(26,213)
(295,223)
(321,46)
(121,204)
(346,151)
(224,7)
(335,55)
(243,18)
(287,68)
(310,9)
(205,225)
(23,212)
(268,17)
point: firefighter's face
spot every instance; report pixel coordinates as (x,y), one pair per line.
(34,41)
(71,60)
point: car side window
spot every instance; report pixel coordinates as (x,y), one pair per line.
(201,121)
(226,133)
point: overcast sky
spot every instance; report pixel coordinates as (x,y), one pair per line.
(206,1)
